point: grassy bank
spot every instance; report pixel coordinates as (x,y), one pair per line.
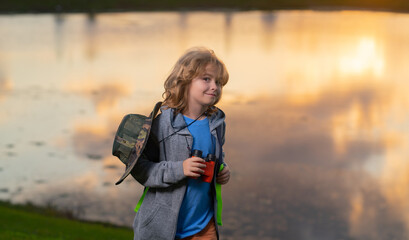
(29,222)
(28,6)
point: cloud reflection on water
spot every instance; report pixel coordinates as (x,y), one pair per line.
(290,167)
(105,96)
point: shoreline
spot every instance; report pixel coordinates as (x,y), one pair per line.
(215,10)
(106,6)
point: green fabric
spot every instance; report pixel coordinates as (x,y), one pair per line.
(141,199)
(219,200)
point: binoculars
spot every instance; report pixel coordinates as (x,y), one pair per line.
(207,176)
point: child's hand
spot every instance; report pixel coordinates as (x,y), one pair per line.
(193,167)
(223,176)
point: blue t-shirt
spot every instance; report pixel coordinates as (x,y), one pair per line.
(197,205)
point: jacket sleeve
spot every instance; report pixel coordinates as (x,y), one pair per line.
(157,174)
(150,172)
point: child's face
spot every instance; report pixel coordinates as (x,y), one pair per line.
(204,90)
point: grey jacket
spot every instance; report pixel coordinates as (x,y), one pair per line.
(163,174)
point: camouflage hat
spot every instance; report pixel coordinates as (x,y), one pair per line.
(132,135)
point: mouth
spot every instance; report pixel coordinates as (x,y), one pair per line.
(211,94)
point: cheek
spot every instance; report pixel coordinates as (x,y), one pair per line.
(219,90)
(219,94)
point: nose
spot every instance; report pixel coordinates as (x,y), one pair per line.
(213,85)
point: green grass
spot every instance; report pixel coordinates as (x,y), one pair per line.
(29,222)
(25,6)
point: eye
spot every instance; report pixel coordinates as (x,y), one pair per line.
(206,79)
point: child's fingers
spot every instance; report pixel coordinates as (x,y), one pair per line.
(198,170)
(199,165)
(193,174)
(223,177)
(197,159)
(219,181)
(222,180)
(193,167)
(226,169)
(222,173)
(198,162)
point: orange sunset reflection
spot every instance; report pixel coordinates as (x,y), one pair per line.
(104,96)
(5,86)
(316,105)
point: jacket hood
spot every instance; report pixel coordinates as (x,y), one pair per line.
(178,122)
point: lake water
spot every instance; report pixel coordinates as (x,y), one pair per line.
(317,115)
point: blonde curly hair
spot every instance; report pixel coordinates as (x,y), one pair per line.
(190,65)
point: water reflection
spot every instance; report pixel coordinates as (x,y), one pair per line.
(5,86)
(5,89)
(296,175)
(90,32)
(59,35)
(316,105)
(228,19)
(104,96)
(268,19)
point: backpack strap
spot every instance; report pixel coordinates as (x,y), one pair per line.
(141,199)
(219,186)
